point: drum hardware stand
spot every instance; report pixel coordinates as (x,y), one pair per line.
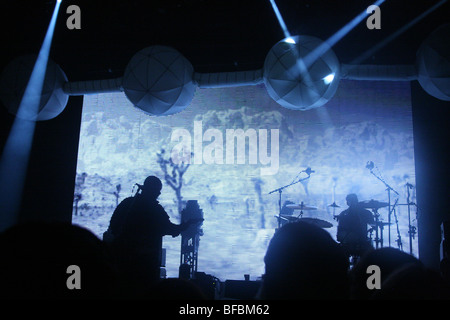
(378,240)
(301,211)
(280,190)
(370,232)
(388,189)
(334,205)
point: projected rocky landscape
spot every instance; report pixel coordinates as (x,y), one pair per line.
(119,146)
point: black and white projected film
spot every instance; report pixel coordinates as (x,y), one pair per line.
(241,145)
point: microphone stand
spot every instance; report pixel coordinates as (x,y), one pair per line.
(334,201)
(411,229)
(399,237)
(280,190)
(388,189)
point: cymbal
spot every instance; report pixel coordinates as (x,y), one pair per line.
(318,222)
(380,223)
(300,207)
(289,218)
(373,204)
(334,205)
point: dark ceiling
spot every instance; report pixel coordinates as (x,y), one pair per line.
(214,35)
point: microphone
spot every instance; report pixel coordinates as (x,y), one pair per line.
(370,165)
(308,171)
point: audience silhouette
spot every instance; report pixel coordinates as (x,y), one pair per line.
(413,281)
(177,289)
(35,258)
(304,262)
(403,276)
(387,259)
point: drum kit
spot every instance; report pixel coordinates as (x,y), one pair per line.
(283,218)
(378,225)
(374,205)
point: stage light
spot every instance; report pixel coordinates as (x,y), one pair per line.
(289,40)
(294,86)
(328,79)
(16,153)
(158,80)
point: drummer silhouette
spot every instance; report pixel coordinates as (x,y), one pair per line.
(353,227)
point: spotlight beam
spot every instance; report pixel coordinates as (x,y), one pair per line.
(397,33)
(287,35)
(300,68)
(304,63)
(330,42)
(16,153)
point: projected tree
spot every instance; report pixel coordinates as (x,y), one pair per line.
(257,183)
(173,175)
(79,187)
(116,193)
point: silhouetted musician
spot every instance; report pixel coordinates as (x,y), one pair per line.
(352,227)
